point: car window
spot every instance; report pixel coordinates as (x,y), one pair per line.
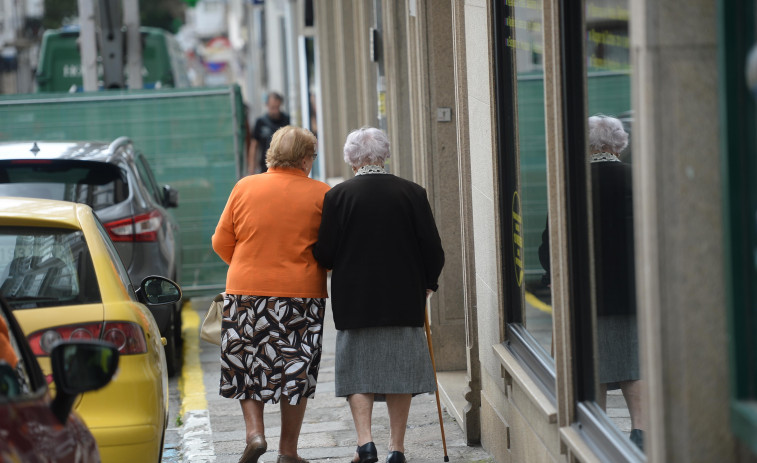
(96,184)
(46,267)
(116,260)
(15,378)
(148,179)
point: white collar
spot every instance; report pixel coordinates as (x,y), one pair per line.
(604,157)
(370,169)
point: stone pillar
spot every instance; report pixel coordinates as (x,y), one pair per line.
(435,161)
(325,37)
(346,75)
(472,390)
(329,39)
(395,46)
(365,70)
(677,193)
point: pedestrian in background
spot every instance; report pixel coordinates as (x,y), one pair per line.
(265,126)
(379,237)
(274,306)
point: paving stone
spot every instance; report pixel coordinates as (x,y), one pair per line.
(328,433)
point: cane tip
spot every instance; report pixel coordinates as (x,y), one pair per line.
(446,458)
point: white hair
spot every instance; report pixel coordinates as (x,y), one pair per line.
(366,145)
(606,134)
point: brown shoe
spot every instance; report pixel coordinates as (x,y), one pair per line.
(288,459)
(254,450)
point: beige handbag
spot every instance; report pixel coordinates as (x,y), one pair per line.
(211,326)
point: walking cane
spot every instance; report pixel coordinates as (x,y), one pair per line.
(433,366)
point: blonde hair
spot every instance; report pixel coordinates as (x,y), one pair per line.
(289,146)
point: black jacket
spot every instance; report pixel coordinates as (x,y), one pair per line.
(379,237)
(612,209)
(613,243)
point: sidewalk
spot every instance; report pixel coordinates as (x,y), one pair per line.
(327,432)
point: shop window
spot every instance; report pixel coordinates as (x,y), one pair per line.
(738,86)
(519,49)
(598,122)
(595,80)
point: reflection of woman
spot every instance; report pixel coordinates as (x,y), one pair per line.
(617,336)
(379,236)
(7,354)
(275,290)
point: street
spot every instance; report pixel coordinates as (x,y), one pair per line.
(215,433)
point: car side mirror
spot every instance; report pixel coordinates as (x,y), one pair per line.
(170,196)
(80,367)
(158,290)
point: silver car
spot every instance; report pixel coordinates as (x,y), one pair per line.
(116,181)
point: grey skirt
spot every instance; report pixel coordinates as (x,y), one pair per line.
(384,360)
(618,349)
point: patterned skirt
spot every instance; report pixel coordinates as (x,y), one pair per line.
(270,347)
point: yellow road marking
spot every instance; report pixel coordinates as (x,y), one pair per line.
(534,301)
(191,386)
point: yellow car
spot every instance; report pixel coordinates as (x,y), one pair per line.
(64,280)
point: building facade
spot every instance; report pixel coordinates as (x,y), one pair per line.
(486,103)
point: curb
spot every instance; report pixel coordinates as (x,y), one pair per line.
(196,435)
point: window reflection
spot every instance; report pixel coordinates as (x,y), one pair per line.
(609,157)
(42,267)
(525,39)
(15,379)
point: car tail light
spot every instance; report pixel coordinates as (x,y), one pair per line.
(126,336)
(140,228)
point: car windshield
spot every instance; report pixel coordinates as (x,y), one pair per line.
(96,184)
(46,267)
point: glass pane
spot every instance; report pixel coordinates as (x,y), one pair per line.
(45,267)
(609,158)
(524,21)
(148,179)
(96,184)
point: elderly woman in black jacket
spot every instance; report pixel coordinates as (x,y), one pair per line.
(379,237)
(617,333)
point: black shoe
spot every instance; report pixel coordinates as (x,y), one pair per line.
(637,437)
(367,453)
(395,457)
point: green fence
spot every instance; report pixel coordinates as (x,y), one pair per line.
(193,139)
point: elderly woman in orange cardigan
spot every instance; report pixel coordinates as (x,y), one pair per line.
(275,291)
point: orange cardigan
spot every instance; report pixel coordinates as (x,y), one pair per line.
(266,234)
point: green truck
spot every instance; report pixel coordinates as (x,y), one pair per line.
(59,69)
(193,138)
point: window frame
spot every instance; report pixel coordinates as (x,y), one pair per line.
(148,179)
(518,341)
(590,421)
(115,258)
